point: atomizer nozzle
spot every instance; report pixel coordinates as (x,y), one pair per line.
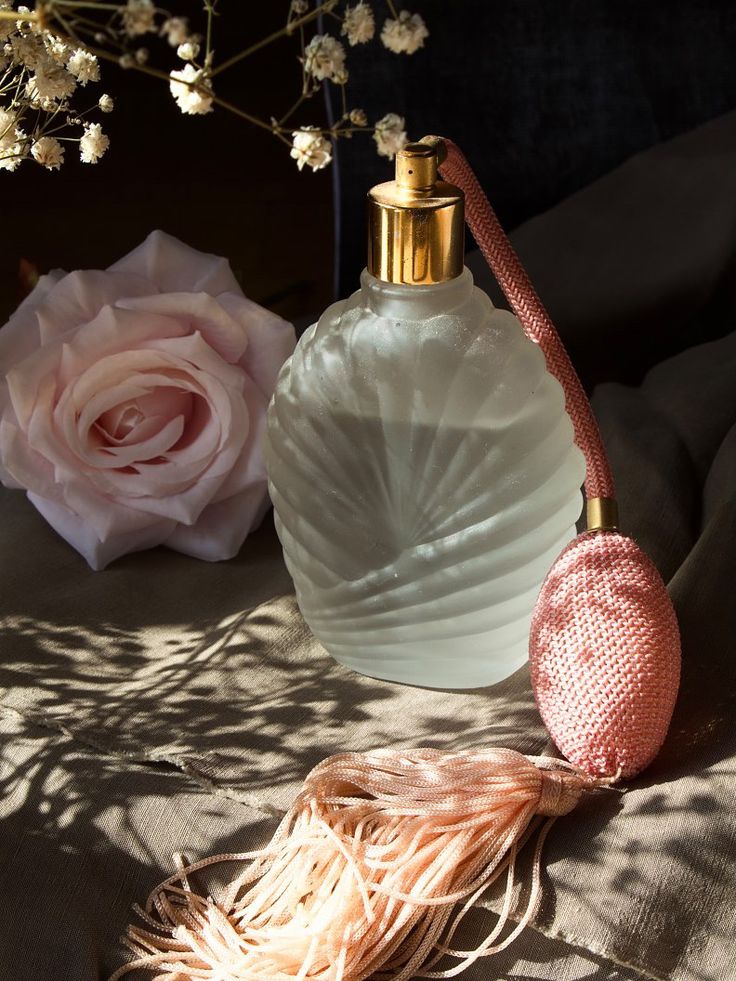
(416,223)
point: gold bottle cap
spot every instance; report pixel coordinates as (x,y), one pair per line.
(416,224)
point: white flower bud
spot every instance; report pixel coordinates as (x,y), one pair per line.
(93,143)
(405,34)
(48,152)
(310,148)
(390,135)
(358,24)
(188,50)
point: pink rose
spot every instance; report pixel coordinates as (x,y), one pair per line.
(134,403)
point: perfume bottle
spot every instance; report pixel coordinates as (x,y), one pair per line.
(420,459)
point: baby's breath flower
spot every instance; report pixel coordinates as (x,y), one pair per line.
(12,140)
(141,56)
(192,101)
(390,135)
(28,50)
(50,82)
(406,34)
(299,7)
(188,50)
(310,148)
(359,24)
(175,30)
(24,23)
(48,152)
(57,49)
(106,103)
(93,143)
(126,60)
(324,57)
(138,17)
(84,67)
(358,117)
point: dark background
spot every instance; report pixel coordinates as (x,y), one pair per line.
(543,96)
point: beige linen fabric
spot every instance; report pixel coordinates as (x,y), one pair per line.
(167,703)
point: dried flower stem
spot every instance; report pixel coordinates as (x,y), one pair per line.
(89,4)
(283,32)
(156,73)
(211,14)
(292,110)
(279,130)
(56,47)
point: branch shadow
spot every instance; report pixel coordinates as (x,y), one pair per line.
(173,666)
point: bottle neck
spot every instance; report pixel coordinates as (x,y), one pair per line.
(399,301)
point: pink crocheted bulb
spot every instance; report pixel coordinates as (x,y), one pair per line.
(604,648)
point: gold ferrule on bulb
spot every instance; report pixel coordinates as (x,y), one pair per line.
(601,514)
(416,223)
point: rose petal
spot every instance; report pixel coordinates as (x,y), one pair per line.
(98,552)
(132,422)
(113,331)
(21,467)
(186,483)
(173,266)
(107,516)
(203,314)
(98,390)
(250,467)
(21,336)
(187,505)
(271,340)
(35,473)
(193,349)
(157,445)
(222,527)
(214,448)
(84,437)
(78,298)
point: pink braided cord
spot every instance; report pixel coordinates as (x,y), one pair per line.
(516,285)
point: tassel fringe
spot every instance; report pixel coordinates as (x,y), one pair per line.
(369,874)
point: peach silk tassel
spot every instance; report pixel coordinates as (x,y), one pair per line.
(382,854)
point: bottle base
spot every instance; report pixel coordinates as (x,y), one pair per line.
(453,675)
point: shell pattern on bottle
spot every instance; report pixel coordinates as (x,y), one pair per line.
(424,479)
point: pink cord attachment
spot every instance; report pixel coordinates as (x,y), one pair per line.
(604,644)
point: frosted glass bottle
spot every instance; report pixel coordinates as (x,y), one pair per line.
(424,479)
